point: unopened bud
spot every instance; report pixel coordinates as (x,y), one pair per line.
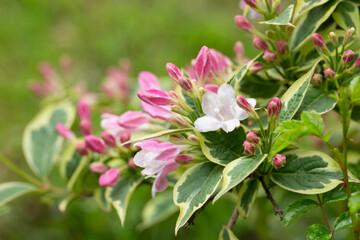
(64,131)
(98,167)
(84,110)
(251,3)
(81,149)
(193,138)
(184,159)
(348,35)
(247,107)
(317,79)
(95,144)
(329,73)
(274,109)
(243,23)
(177,139)
(185,84)
(108,139)
(239,49)
(155,97)
(174,95)
(318,40)
(255,67)
(85,127)
(124,137)
(282,46)
(253,139)
(202,64)
(260,44)
(173,71)
(109,178)
(334,39)
(279,161)
(269,56)
(357,63)
(131,163)
(348,57)
(248,148)
(179,110)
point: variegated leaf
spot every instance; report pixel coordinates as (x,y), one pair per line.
(247,195)
(12,190)
(283,19)
(69,161)
(346,15)
(227,234)
(298,208)
(240,72)
(304,6)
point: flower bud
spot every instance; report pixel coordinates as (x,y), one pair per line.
(203,63)
(108,139)
(279,161)
(348,35)
(253,139)
(269,56)
(248,148)
(318,40)
(193,138)
(179,110)
(81,149)
(109,178)
(255,67)
(239,49)
(83,110)
(95,144)
(85,127)
(243,23)
(132,119)
(282,46)
(131,163)
(329,73)
(185,84)
(174,95)
(173,71)
(184,159)
(155,97)
(357,63)
(317,79)
(271,35)
(274,109)
(348,57)
(246,106)
(251,3)
(260,44)
(124,137)
(98,167)
(334,39)
(64,131)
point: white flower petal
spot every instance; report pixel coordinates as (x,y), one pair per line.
(139,158)
(240,114)
(209,102)
(252,101)
(229,126)
(207,124)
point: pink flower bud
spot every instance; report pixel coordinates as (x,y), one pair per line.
(132,119)
(131,163)
(108,139)
(243,23)
(184,159)
(173,71)
(329,73)
(185,84)
(348,35)
(85,127)
(348,57)
(269,56)
(253,139)
(318,40)
(174,95)
(282,46)
(239,49)
(193,138)
(212,88)
(248,148)
(260,44)
(202,63)
(279,161)
(251,3)
(243,103)
(64,131)
(81,149)
(155,97)
(109,178)
(84,110)
(95,144)
(255,67)
(98,167)
(274,109)
(124,137)
(148,80)
(317,79)
(357,63)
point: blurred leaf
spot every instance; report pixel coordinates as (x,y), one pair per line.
(77,173)
(298,208)
(100,198)
(337,194)
(303,6)
(11,190)
(247,196)
(283,19)
(66,201)
(227,234)
(313,122)
(354,203)
(343,221)
(318,232)
(69,161)
(355,94)
(240,72)
(346,15)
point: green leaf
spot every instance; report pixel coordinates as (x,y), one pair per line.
(76,174)
(318,232)
(343,221)
(12,190)
(283,19)
(158,134)
(41,143)
(308,23)
(100,198)
(346,15)
(314,122)
(316,100)
(190,102)
(337,194)
(119,194)
(69,161)
(288,126)
(157,210)
(221,147)
(227,234)
(237,170)
(354,203)
(66,201)
(294,96)
(247,196)
(298,208)
(194,188)
(304,6)
(240,72)
(308,173)
(355,93)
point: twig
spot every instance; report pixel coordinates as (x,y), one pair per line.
(325,217)
(278,210)
(192,218)
(233,218)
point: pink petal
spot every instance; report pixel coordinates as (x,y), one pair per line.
(132,119)
(155,97)
(161,182)
(147,80)
(161,112)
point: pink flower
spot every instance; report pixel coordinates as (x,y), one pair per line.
(183,159)
(252,138)
(357,63)
(255,67)
(317,78)
(95,144)
(239,50)
(108,139)
(269,56)
(282,46)
(85,127)
(243,23)
(248,148)
(173,71)
(348,56)
(116,84)
(81,149)
(64,131)
(274,109)
(155,97)
(279,161)
(329,73)
(318,40)
(148,80)
(202,64)
(185,84)
(132,119)
(260,44)
(109,178)
(84,110)
(98,167)
(212,88)
(219,62)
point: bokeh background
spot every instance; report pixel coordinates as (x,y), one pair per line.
(97,34)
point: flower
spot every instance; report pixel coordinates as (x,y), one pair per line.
(98,167)
(64,131)
(109,178)
(318,40)
(221,110)
(95,144)
(260,44)
(279,161)
(243,23)
(84,110)
(157,159)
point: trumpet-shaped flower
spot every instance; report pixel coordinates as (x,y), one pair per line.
(221,110)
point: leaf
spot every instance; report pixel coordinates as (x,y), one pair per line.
(337,194)
(69,162)
(247,196)
(241,71)
(119,194)
(304,6)
(158,134)
(221,147)
(194,188)
(355,93)
(308,23)
(157,210)
(294,96)
(11,190)
(66,201)
(190,102)
(309,172)
(100,198)
(316,100)
(343,221)
(237,170)
(41,143)
(283,19)
(298,208)
(76,174)
(354,203)
(318,232)
(227,234)
(314,122)
(288,126)
(346,15)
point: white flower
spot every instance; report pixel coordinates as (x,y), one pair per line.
(221,110)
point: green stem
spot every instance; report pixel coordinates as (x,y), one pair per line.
(262,131)
(325,217)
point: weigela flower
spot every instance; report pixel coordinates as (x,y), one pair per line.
(109,178)
(64,131)
(221,111)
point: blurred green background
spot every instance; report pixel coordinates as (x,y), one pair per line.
(96,34)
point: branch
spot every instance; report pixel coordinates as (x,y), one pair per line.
(233,218)
(192,218)
(278,210)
